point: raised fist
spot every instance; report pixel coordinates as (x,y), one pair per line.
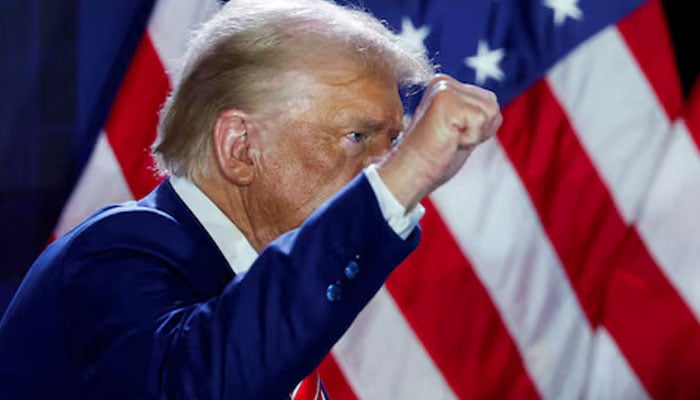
(450,121)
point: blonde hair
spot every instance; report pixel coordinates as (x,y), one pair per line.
(232,60)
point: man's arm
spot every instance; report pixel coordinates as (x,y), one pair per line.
(262,335)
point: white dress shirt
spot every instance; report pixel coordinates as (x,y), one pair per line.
(240,254)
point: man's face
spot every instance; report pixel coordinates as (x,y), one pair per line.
(326,126)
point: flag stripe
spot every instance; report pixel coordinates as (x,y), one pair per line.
(566,192)
(646,33)
(170,27)
(335,381)
(652,325)
(101,183)
(455,319)
(605,380)
(615,112)
(669,222)
(492,219)
(381,335)
(131,126)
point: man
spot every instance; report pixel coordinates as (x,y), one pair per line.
(287,207)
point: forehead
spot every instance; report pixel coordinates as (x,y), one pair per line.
(341,95)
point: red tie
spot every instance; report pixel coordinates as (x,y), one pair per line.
(309,388)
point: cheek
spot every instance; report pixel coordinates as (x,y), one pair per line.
(307,170)
(302,168)
(322,159)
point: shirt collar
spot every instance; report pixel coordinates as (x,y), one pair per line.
(228,238)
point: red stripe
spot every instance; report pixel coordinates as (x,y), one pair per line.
(573,205)
(132,123)
(617,281)
(647,36)
(456,320)
(654,328)
(309,388)
(334,380)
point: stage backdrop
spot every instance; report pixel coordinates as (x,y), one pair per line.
(561,263)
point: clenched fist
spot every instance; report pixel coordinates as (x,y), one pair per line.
(450,121)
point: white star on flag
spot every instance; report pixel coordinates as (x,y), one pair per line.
(486,63)
(412,38)
(563,9)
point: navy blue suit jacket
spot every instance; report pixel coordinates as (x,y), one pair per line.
(138,302)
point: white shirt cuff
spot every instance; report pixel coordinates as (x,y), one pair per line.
(394,213)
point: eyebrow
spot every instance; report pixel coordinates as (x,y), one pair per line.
(372,125)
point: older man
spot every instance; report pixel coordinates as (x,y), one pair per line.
(288,205)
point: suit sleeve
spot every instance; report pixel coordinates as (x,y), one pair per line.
(259,337)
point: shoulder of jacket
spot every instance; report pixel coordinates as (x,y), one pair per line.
(132,228)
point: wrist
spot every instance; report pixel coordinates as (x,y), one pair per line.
(401,174)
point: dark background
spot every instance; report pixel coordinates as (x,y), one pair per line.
(685,32)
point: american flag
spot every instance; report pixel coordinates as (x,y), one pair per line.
(560,263)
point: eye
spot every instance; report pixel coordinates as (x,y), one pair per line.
(357,137)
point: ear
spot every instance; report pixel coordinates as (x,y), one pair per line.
(232,147)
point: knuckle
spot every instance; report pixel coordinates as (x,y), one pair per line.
(438,82)
(441,95)
(479,119)
(492,96)
(439,78)
(493,111)
(471,88)
(485,94)
(488,95)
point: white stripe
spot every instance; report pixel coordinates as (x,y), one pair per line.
(616,115)
(101,183)
(670,219)
(497,228)
(651,168)
(383,359)
(606,363)
(170,26)
(491,217)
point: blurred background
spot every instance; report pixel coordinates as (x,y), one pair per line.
(563,262)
